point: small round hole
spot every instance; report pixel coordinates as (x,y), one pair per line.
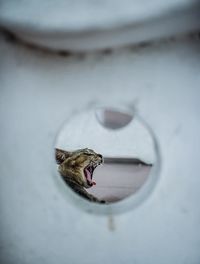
(113,119)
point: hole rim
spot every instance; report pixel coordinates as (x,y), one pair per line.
(128,203)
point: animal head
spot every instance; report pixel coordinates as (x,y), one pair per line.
(78,165)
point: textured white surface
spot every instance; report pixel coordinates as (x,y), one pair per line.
(38,92)
(76,15)
(89,25)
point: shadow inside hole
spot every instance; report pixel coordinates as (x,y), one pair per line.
(113,119)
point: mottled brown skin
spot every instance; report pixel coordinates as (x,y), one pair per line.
(71,166)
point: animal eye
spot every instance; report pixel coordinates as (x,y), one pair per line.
(88,154)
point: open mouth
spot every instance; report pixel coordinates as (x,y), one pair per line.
(88,172)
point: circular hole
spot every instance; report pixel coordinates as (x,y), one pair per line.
(125,144)
(113,118)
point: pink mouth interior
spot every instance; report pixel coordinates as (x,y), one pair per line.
(88,171)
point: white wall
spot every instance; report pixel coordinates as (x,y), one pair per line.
(39,223)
